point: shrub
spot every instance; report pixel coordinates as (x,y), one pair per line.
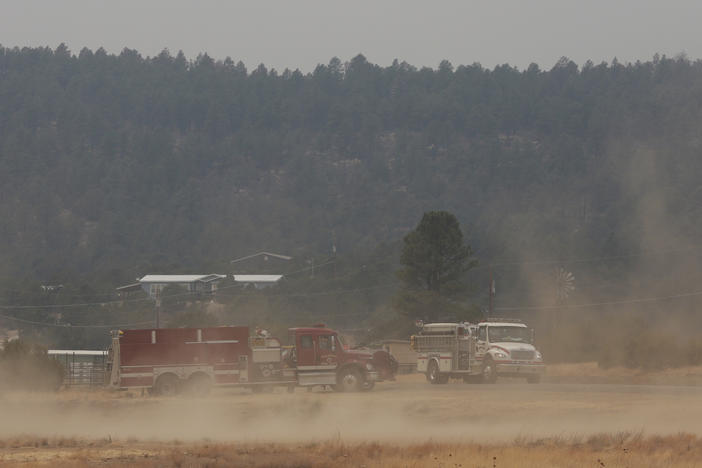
(24,366)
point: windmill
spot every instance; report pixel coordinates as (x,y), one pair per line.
(565,284)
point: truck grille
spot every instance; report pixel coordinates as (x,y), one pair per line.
(463,362)
(522,355)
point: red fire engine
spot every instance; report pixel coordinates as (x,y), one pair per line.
(170,360)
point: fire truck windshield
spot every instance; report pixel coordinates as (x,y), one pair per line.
(507,334)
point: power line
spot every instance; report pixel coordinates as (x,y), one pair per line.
(650,253)
(342,291)
(496,264)
(83,304)
(122,301)
(322,293)
(100,304)
(48,324)
(327,293)
(146,299)
(600,304)
(313,267)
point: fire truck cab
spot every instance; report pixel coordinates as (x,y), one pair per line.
(321,357)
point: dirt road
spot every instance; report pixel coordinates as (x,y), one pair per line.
(409,410)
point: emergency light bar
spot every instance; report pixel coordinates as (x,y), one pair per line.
(502,319)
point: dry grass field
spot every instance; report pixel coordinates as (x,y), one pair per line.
(407,423)
(603,450)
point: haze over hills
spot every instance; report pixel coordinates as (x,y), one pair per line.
(120,165)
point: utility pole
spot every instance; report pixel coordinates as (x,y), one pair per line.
(334,252)
(157,310)
(491,291)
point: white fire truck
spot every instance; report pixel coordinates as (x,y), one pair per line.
(477,352)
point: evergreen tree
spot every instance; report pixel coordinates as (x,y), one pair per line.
(435,260)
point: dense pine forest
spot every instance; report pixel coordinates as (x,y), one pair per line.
(115,166)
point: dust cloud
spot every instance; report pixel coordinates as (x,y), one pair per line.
(632,243)
(408,411)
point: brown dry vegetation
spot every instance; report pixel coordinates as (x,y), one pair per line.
(600,450)
(407,423)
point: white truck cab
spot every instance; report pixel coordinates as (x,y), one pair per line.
(506,348)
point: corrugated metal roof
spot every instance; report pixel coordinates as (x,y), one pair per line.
(257,278)
(179,278)
(77,352)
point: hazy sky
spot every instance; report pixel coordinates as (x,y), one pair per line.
(303,33)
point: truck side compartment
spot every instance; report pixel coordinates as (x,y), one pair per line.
(144,356)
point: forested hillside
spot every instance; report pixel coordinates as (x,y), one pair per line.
(114,166)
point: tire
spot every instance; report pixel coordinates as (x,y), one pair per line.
(489,371)
(368,386)
(534,379)
(434,376)
(199,385)
(433,373)
(167,385)
(349,380)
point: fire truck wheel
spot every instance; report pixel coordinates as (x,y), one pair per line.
(167,385)
(349,380)
(199,384)
(434,376)
(489,371)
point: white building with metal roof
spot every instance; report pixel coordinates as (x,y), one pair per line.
(154,284)
(257,281)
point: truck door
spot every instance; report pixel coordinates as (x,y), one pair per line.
(481,345)
(326,350)
(306,353)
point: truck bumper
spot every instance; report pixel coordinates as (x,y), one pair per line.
(519,370)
